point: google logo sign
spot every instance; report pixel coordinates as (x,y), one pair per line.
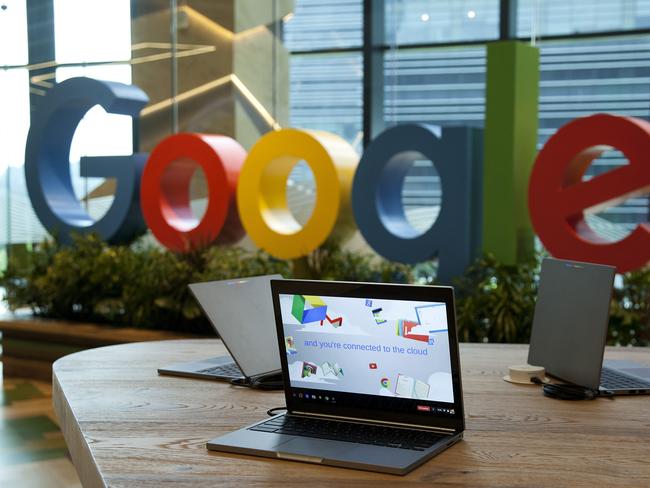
(247,191)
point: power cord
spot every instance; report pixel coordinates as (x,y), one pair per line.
(270,383)
(272,411)
(273,382)
(570,392)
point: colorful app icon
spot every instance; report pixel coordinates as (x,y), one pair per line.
(308,369)
(290,345)
(372,365)
(385,383)
(378,319)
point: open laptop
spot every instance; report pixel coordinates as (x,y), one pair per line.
(570,329)
(372,377)
(241,312)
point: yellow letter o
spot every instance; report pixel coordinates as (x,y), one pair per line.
(262,191)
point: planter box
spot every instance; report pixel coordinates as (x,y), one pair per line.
(30,344)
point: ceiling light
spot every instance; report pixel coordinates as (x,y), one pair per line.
(425,17)
(471,14)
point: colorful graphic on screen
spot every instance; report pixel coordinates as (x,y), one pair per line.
(289,345)
(379,347)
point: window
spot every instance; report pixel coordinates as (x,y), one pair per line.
(327,24)
(426,22)
(92,32)
(326,94)
(560,17)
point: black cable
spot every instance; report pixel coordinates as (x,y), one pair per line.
(569,391)
(272,411)
(273,382)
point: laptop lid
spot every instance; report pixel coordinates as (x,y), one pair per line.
(571,318)
(241,312)
(370,351)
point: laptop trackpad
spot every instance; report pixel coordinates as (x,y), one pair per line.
(317,448)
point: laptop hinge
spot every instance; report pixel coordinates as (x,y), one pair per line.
(441,430)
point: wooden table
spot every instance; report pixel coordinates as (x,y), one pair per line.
(127,426)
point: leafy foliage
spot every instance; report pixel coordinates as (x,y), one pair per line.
(630,311)
(146,286)
(332,262)
(142,286)
(496,302)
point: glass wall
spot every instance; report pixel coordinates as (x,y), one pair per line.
(428,22)
(243,68)
(206,66)
(558,17)
(17,222)
(434,72)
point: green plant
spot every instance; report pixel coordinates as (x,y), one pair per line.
(142,286)
(332,262)
(146,286)
(630,310)
(496,302)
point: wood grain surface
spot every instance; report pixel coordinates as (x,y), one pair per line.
(125,426)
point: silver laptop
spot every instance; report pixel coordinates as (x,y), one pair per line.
(241,311)
(372,377)
(570,329)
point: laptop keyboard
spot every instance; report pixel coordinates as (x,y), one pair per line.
(417,440)
(230,370)
(613,380)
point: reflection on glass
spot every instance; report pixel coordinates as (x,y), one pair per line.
(424,21)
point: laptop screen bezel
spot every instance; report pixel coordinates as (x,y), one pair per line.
(442,294)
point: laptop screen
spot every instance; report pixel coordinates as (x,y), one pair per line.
(383,352)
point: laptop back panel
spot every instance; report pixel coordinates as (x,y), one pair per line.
(385,353)
(571,319)
(240,312)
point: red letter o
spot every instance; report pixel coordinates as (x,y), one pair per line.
(165,190)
